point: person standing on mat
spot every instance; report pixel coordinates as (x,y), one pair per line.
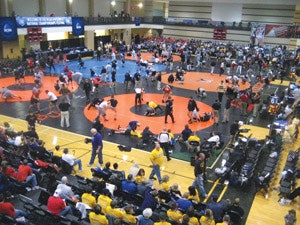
(97,146)
(221,90)
(52,101)
(169,110)
(191,106)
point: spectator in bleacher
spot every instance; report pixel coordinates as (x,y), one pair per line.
(31,133)
(173,213)
(26,175)
(225,220)
(134,170)
(145,218)
(193,220)
(3,137)
(128,185)
(8,170)
(107,169)
(150,200)
(185,134)
(128,215)
(143,186)
(57,205)
(218,208)
(6,208)
(116,171)
(183,203)
(97,217)
(9,130)
(70,159)
(193,194)
(207,218)
(88,198)
(66,191)
(175,192)
(113,211)
(236,207)
(163,219)
(104,199)
(290,218)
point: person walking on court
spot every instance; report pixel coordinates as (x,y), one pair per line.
(97,146)
(157,159)
(64,113)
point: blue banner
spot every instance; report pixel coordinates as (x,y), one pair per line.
(35,21)
(77,26)
(8,29)
(137,21)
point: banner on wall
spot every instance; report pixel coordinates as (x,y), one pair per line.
(35,21)
(282,31)
(77,26)
(137,21)
(257,33)
(8,29)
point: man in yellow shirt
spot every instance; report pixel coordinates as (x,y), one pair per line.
(113,211)
(157,159)
(151,109)
(96,217)
(88,198)
(193,142)
(173,213)
(104,200)
(128,215)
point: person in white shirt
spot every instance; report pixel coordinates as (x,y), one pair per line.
(134,170)
(164,140)
(215,138)
(52,101)
(66,191)
(102,109)
(70,159)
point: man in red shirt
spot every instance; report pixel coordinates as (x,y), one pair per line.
(6,208)
(167,92)
(57,205)
(244,98)
(26,175)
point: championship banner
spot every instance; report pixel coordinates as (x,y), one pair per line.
(8,29)
(282,31)
(77,26)
(257,33)
(44,21)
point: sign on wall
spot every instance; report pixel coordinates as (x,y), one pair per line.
(8,29)
(77,26)
(34,21)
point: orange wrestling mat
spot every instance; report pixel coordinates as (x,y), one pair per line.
(127,111)
(148,56)
(194,80)
(26,91)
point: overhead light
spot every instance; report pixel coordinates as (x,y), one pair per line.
(140,5)
(113,3)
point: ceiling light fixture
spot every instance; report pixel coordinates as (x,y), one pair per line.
(113,3)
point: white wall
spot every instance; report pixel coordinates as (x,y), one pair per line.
(80,7)
(102,7)
(26,8)
(226,12)
(55,6)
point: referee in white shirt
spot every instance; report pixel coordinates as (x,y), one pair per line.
(164,141)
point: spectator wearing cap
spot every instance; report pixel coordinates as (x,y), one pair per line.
(145,218)
(57,205)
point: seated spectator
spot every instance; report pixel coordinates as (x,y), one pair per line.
(226,221)
(165,184)
(134,170)
(163,219)
(193,194)
(147,135)
(31,133)
(70,159)
(128,215)
(145,218)
(175,192)
(207,218)
(8,170)
(140,176)
(3,137)
(143,186)
(107,169)
(26,175)
(173,213)
(97,217)
(191,214)
(128,185)
(112,210)
(236,207)
(104,199)
(57,205)
(116,171)
(183,203)
(215,138)
(150,200)
(193,142)
(9,130)
(57,151)
(185,134)
(6,208)
(66,191)
(18,140)
(218,208)
(88,198)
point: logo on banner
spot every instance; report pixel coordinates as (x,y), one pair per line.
(7,28)
(78,26)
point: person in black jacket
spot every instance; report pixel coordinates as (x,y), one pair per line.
(191,106)
(87,87)
(169,110)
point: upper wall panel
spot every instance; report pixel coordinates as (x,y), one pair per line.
(58,7)
(80,8)
(26,8)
